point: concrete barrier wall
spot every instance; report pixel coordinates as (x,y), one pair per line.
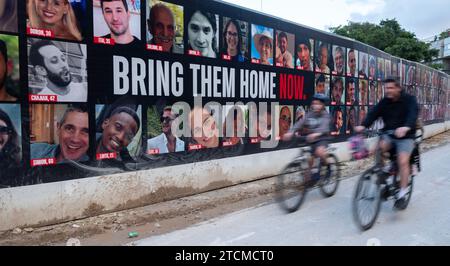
(51,203)
(447,125)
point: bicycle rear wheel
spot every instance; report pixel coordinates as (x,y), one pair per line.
(328,184)
(291,188)
(367,200)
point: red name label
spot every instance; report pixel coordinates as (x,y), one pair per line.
(349,103)
(101,40)
(195,147)
(254,140)
(227,143)
(299,67)
(153,151)
(334,72)
(43,161)
(154,47)
(42,98)
(107,155)
(40,32)
(256,61)
(226,57)
(333,103)
(279,64)
(334,133)
(194,52)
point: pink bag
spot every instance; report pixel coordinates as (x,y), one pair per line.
(358,147)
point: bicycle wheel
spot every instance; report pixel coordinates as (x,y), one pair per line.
(291,188)
(408,194)
(330,177)
(367,200)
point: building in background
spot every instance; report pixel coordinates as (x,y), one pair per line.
(442,43)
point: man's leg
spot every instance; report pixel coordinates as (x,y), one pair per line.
(385,145)
(321,152)
(403,163)
(308,171)
(404,148)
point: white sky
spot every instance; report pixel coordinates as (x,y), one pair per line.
(425,18)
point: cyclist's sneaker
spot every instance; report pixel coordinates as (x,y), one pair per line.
(314,179)
(400,203)
(312,183)
(316,176)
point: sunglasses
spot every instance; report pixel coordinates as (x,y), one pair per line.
(286,118)
(166,119)
(232,34)
(5,130)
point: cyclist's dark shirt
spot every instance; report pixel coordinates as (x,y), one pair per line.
(395,114)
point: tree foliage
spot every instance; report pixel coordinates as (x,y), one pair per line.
(444,34)
(390,37)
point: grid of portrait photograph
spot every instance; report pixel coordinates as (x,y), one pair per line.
(62,112)
(352,79)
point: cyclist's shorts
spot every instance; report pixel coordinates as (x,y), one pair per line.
(402,145)
(317,144)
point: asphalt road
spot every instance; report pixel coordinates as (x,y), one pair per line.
(329,221)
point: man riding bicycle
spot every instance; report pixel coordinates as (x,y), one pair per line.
(399,112)
(317,127)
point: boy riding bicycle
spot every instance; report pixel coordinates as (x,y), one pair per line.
(317,127)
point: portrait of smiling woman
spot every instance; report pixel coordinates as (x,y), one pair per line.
(55,15)
(233,40)
(262,44)
(8,15)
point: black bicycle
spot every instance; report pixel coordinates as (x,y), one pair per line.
(291,186)
(381,183)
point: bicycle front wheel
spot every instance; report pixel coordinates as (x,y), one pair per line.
(367,200)
(291,187)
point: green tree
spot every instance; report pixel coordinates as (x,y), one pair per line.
(436,66)
(390,37)
(153,123)
(12,43)
(444,34)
